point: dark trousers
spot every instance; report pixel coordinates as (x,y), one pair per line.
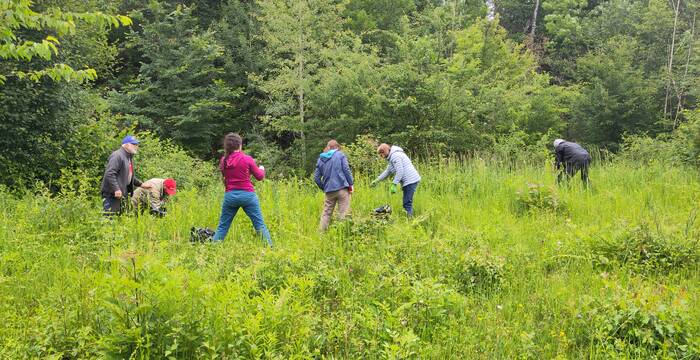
(571,168)
(408,192)
(111,205)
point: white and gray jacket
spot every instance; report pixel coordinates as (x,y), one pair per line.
(400,164)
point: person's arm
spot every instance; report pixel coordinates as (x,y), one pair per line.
(317,176)
(389,169)
(111,173)
(347,171)
(398,166)
(221,170)
(257,172)
(559,157)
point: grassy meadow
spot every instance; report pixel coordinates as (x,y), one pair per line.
(492,266)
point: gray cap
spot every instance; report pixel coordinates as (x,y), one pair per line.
(557,142)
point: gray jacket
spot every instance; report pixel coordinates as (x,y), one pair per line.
(116,176)
(400,164)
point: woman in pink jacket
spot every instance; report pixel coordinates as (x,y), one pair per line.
(236,168)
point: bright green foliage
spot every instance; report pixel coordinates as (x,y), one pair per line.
(431,76)
(300,37)
(162,159)
(476,280)
(17,19)
(499,83)
(619,97)
(639,327)
(563,19)
(647,251)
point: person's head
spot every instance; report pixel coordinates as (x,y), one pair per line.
(130,144)
(332,145)
(170,186)
(232,142)
(557,142)
(383,150)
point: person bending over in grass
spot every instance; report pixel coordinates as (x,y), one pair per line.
(236,168)
(333,176)
(571,157)
(155,196)
(405,174)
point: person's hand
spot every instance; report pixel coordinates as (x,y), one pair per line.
(146,186)
(118,194)
(393,188)
(351,189)
(373,183)
(261,168)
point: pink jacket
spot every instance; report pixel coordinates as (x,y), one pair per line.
(236,169)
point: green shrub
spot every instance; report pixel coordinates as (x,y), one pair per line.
(637,327)
(475,273)
(646,251)
(366,229)
(362,155)
(537,198)
(680,147)
(162,158)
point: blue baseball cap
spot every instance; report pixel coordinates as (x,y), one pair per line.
(130,140)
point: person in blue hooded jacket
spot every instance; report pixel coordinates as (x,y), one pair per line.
(334,177)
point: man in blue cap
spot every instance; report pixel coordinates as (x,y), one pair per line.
(119,178)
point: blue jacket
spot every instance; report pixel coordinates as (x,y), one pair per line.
(333,171)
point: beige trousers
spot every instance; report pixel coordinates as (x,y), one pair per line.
(342,198)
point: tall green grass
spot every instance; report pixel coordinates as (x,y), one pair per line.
(613,272)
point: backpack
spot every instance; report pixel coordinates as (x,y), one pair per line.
(201,235)
(382,211)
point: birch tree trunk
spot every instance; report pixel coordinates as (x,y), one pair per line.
(670,59)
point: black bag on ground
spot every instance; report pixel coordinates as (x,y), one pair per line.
(384,210)
(201,235)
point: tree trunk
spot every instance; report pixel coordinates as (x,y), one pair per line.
(679,107)
(534,21)
(670,59)
(300,97)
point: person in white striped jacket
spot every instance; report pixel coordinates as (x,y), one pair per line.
(405,174)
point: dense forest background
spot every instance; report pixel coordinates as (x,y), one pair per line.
(437,77)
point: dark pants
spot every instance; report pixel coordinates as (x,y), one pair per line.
(571,168)
(111,205)
(408,192)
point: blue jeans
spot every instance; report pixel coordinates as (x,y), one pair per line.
(235,199)
(408,192)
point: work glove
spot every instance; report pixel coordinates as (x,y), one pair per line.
(393,188)
(261,168)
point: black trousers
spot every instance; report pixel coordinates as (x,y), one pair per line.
(111,205)
(571,168)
